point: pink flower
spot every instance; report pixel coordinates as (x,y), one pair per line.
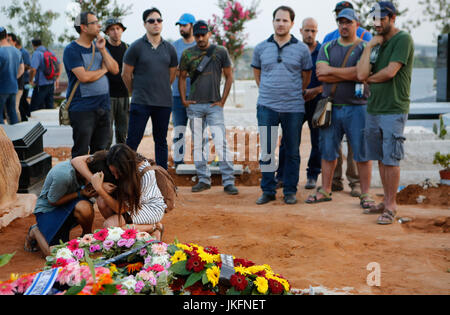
(101,235)
(24,283)
(122,242)
(130,243)
(6,288)
(95,248)
(159,249)
(139,286)
(156,267)
(73,244)
(129,234)
(79,253)
(108,244)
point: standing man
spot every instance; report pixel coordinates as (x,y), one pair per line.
(11,68)
(43,88)
(89,111)
(389,77)
(349,106)
(205,63)
(179,115)
(282,69)
(118,92)
(149,68)
(352,170)
(312,95)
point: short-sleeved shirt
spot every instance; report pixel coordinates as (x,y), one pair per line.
(88,96)
(116,86)
(281,83)
(26,61)
(206,88)
(393,96)
(362,33)
(37,62)
(181,46)
(333,54)
(151,81)
(10,60)
(60,181)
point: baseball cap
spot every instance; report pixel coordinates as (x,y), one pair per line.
(348,14)
(201,28)
(384,7)
(186,19)
(2,29)
(113,21)
(343,5)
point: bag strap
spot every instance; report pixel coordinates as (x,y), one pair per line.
(344,63)
(72,94)
(209,53)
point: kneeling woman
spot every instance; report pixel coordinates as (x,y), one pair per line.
(137,200)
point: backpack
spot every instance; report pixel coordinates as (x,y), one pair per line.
(165,184)
(50,66)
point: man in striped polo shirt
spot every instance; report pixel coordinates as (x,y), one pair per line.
(282,68)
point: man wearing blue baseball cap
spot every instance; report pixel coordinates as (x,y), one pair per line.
(386,64)
(179,115)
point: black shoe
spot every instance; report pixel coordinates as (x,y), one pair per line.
(231,189)
(200,187)
(265,198)
(290,199)
(337,187)
(310,183)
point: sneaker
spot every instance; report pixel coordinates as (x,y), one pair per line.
(231,189)
(290,199)
(200,187)
(310,183)
(265,198)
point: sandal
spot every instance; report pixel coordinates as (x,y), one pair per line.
(378,209)
(313,198)
(366,201)
(30,245)
(387,217)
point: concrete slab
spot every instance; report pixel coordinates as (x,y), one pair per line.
(189,169)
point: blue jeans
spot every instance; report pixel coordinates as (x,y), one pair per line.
(139,115)
(291,125)
(42,97)
(200,116)
(179,120)
(315,160)
(8,101)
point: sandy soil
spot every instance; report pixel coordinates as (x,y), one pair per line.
(329,244)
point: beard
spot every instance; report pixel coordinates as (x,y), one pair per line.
(185,35)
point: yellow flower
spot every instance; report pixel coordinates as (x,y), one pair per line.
(213,275)
(262,285)
(184,247)
(14,276)
(113,269)
(178,256)
(284,282)
(242,270)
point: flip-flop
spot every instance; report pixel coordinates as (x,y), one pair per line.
(387,217)
(313,198)
(30,246)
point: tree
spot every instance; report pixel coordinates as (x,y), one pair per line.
(103,9)
(32,22)
(437,11)
(228,30)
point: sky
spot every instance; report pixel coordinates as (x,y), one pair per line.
(258,29)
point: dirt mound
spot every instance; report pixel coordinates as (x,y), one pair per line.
(410,195)
(426,225)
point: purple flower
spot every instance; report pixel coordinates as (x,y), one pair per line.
(148,260)
(108,244)
(143,252)
(122,242)
(95,248)
(130,242)
(139,286)
(79,253)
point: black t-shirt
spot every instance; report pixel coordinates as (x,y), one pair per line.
(116,86)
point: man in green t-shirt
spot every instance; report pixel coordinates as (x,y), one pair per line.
(386,65)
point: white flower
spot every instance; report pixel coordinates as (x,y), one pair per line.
(64,253)
(129,283)
(143,236)
(160,260)
(115,234)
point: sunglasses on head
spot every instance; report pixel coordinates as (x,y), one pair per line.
(152,21)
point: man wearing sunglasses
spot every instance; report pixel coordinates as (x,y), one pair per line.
(149,69)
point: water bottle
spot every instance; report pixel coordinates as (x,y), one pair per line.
(374,54)
(359,90)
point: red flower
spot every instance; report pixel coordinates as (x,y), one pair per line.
(129,234)
(243,262)
(275,287)
(101,235)
(195,263)
(212,250)
(73,245)
(178,284)
(239,282)
(60,262)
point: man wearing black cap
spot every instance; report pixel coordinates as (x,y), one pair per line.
(120,101)
(205,63)
(386,64)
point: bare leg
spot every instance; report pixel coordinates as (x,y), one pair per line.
(84,214)
(365,172)
(42,242)
(104,209)
(391,183)
(328,168)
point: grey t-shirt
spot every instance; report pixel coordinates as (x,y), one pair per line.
(206,88)
(60,181)
(333,54)
(151,82)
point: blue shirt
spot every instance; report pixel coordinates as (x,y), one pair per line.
(314,81)
(360,32)
(88,96)
(280,88)
(37,62)
(26,61)
(181,46)
(10,60)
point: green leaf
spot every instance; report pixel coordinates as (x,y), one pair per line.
(76,289)
(180,268)
(193,278)
(108,289)
(90,264)
(233,291)
(205,278)
(4,259)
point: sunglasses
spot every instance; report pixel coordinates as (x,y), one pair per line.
(152,21)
